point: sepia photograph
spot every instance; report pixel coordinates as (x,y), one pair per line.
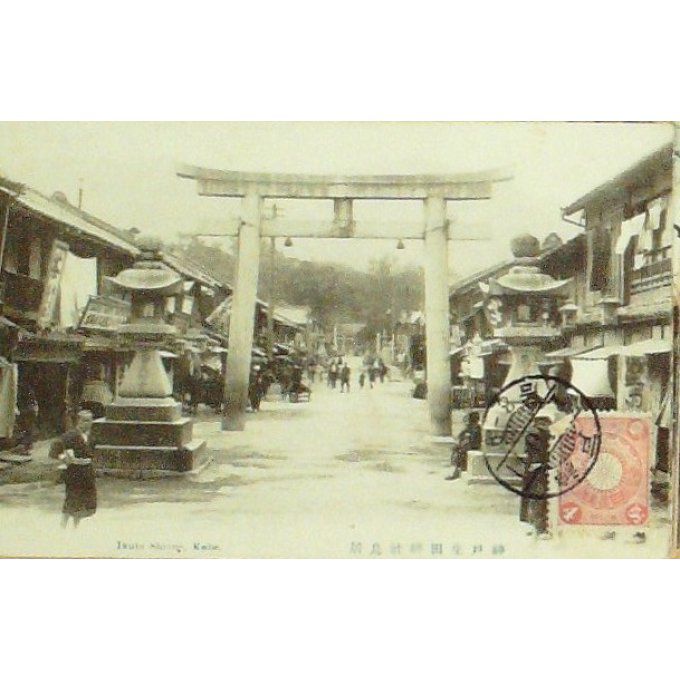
(426,340)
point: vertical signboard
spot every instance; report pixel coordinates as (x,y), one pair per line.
(50,296)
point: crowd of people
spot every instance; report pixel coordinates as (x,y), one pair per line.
(336,372)
(289,376)
(339,372)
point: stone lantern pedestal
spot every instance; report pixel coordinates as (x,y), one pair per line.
(143,433)
(523,307)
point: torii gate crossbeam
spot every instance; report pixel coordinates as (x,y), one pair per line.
(433,191)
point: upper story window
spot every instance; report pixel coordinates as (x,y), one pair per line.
(655,238)
(652,266)
(23,252)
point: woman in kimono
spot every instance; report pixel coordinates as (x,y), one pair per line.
(77,471)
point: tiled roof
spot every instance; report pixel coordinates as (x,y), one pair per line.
(70,216)
(191,270)
(643,172)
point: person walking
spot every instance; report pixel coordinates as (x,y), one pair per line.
(255,389)
(285,377)
(333,374)
(77,471)
(534,504)
(27,405)
(344,378)
(362,379)
(195,383)
(375,369)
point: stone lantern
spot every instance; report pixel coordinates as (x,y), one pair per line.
(143,432)
(523,308)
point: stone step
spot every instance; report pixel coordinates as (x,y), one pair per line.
(144,412)
(130,433)
(129,460)
(487,479)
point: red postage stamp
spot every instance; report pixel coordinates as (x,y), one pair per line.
(616,491)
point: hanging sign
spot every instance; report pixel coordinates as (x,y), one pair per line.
(104,314)
(50,296)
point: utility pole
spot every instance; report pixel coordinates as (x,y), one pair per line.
(272,295)
(272,286)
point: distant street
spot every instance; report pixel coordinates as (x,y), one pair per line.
(345,474)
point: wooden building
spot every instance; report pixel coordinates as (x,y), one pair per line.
(54,256)
(616,324)
(619,325)
(56,261)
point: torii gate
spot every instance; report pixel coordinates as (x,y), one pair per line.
(253,188)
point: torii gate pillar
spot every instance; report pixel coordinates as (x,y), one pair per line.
(437,316)
(242,321)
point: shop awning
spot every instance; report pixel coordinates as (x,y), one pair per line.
(599,353)
(57,348)
(635,349)
(567,352)
(259,352)
(493,346)
(647,347)
(456,350)
(167,355)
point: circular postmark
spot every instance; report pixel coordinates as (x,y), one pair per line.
(538,443)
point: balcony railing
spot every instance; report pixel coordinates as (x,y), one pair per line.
(21,292)
(653,275)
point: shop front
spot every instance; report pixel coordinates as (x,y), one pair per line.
(48,378)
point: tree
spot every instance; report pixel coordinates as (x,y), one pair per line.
(335,293)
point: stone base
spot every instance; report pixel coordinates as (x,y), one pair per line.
(133,433)
(143,409)
(478,472)
(144,437)
(147,462)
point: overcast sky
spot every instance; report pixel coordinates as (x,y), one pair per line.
(128,173)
